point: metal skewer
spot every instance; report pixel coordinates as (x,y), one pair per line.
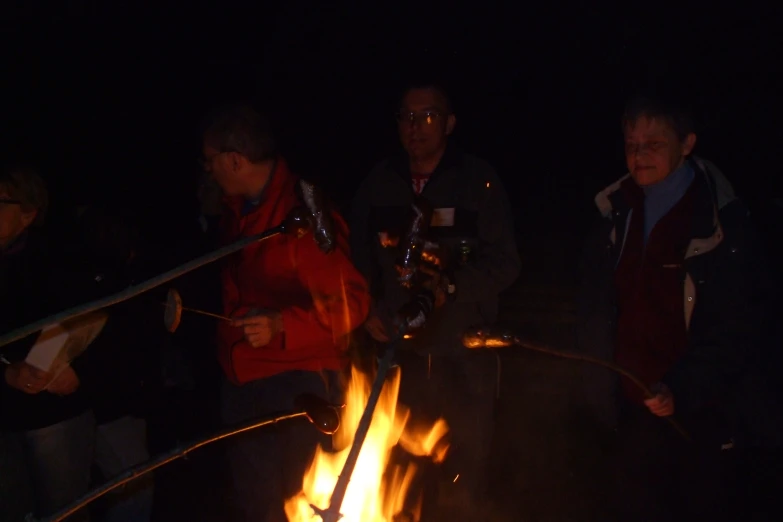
(202,312)
(486,338)
(314,216)
(320,413)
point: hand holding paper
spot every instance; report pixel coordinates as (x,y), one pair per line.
(64,383)
(59,344)
(27,378)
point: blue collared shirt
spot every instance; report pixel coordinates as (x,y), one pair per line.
(661,197)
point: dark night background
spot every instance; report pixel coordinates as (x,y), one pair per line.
(107,100)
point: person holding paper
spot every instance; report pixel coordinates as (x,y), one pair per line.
(44,410)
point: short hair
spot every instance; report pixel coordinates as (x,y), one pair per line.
(26,186)
(240,128)
(667,108)
(436,87)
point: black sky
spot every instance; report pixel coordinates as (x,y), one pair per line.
(109,97)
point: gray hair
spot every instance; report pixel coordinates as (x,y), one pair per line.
(242,129)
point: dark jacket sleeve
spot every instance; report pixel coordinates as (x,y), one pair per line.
(497,263)
(361,244)
(38,290)
(730,327)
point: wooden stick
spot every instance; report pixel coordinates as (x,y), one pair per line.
(210,314)
(202,312)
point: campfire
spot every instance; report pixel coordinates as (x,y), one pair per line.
(376,492)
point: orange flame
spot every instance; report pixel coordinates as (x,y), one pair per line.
(370,497)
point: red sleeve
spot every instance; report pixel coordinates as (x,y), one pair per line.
(341,299)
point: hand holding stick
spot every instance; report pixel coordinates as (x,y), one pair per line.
(486,338)
(173,314)
(312,217)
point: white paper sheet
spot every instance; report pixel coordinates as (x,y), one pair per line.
(47,347)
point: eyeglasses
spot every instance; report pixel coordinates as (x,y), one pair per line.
(206,163)
(640,148)
(6,201)
(422,118)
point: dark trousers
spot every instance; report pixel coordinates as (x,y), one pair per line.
(268,464)
(462,390)
(656,475)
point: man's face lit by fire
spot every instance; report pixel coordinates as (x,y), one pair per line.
(228,169)
(653,150)
(13,219)
(424,123)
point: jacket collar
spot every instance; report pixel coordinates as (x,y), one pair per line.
(714,193)
(280,178)
(452,159)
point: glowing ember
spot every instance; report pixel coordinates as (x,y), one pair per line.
(371,497)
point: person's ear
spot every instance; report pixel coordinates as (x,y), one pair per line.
(451,121)
(688,144)
(236,161)
(28,217)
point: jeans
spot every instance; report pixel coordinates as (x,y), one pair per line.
(268,464)
(121,444)
(58,458)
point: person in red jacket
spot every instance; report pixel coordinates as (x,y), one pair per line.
(294,308)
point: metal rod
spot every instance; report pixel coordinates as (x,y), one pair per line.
(606,364)
(135,290)
(332,513)
(176,453)
(480,338)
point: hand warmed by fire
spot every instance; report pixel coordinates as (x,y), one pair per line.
(374,494)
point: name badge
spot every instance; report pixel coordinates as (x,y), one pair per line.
(442,217)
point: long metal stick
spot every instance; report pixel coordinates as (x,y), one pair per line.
(332,513)
(479,338)
(176,453)
(606,364)
(135,290)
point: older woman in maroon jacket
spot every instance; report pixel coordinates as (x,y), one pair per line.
(293,305)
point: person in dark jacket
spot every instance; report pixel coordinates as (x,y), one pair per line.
(675,290)
(473,230)
(124,369)
(48,413)
(91,412)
